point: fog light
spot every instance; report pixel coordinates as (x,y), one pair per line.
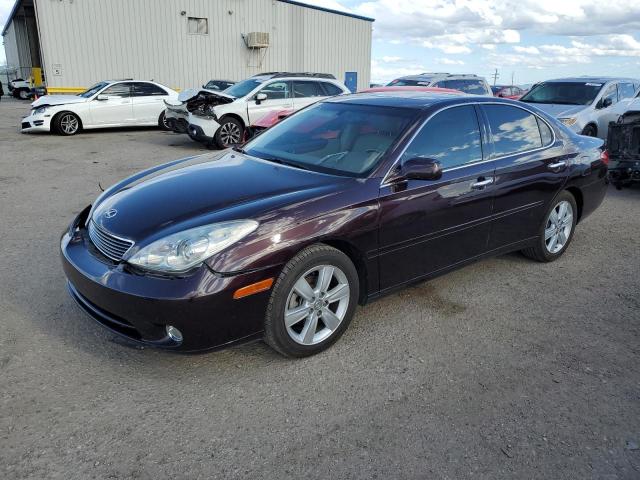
(174,333)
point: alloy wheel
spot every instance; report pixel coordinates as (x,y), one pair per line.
(230,133)
(69,124)
(558,228)
(317,304)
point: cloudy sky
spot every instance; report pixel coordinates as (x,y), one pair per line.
(531,39)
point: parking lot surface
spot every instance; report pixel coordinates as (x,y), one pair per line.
(505,369)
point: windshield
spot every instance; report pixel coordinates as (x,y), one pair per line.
(406,82)
(93,90)
(337,138)
(564,93)
(243,88)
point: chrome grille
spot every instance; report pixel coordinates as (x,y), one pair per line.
(111,246)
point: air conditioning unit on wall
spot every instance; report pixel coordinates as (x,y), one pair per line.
(257,39)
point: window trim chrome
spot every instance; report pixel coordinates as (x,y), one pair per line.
(385,183)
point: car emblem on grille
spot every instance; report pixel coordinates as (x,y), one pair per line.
(112,212)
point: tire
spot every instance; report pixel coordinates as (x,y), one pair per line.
(231,132)
(162,122)
(590,131)
(24,94)
(307,333)
(67,123)
(545,250)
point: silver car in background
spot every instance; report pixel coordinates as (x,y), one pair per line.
(584,104)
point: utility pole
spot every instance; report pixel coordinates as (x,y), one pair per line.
(513,77)
(495,77)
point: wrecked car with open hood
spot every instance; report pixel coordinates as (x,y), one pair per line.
(220,123)
(177,111)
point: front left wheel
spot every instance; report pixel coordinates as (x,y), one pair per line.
(67,123)
(230,132)
(312,303)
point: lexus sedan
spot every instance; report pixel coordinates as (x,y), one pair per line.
(340,203)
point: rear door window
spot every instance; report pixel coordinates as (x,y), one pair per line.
(307,89)
(513,129)
(143,89)
(452,137)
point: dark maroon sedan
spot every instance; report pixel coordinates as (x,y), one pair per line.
(338,204)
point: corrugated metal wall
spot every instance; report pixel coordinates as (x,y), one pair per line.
(83,41)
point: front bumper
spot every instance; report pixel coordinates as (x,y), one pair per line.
(177,120)
(202,129)
(140,306)
(36,123)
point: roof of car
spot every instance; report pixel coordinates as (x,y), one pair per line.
(589,79)
(429,75)
(411,88)
(403,99)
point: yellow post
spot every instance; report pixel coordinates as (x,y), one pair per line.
(36,75)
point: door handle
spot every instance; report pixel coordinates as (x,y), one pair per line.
(480,184)
(555,166)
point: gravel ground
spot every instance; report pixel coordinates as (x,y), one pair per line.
(505,369)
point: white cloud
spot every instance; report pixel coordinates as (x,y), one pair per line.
(388,59)
(532,50)
(450,61)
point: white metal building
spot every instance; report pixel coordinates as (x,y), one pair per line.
(182,43)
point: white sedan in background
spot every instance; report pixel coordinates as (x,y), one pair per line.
(113,103)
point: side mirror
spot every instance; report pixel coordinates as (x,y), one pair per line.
(260,97)
(420,168)
(102,97)
(607,102)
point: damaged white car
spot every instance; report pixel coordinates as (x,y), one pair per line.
(221,118)
(113,103)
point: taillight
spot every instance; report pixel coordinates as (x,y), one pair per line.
(604,157)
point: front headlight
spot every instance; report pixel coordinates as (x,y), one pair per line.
(39,110)
(568,121)
(182,251)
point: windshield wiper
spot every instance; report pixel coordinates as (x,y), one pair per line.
(282,162)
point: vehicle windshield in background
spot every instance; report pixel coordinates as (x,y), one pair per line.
(336,138)
(495,89)
(93,90)
(405,82)
(242,88)
(564,93)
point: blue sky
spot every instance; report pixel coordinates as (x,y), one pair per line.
(530,39)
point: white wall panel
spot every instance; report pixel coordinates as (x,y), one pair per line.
(96,39)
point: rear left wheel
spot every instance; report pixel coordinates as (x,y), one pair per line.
(556,231)
(312,302)
(163,123)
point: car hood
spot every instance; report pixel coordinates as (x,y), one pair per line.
(206,189)
(559,110)
(58,100)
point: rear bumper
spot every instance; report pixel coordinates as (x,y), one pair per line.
(624,172)
(140,307)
